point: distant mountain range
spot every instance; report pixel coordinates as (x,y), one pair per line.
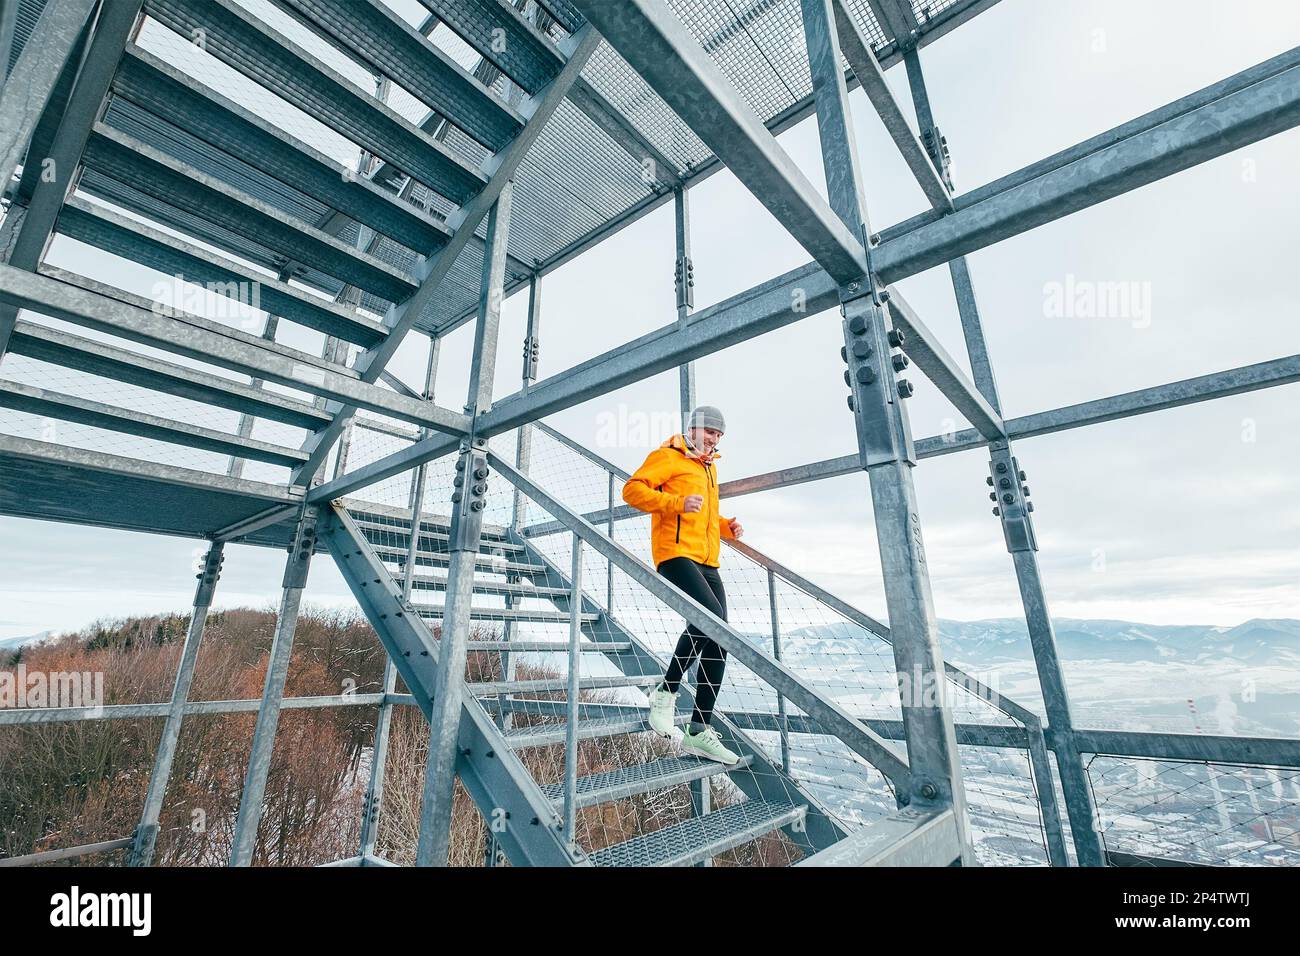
(1259,641)
(13,643)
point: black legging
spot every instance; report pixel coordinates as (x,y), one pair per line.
(703,583)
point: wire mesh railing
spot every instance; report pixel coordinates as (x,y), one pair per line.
(1207,812)
(837,655)
(520,604)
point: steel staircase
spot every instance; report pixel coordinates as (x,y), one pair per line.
(774,801)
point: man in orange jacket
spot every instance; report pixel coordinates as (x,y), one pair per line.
(678,486)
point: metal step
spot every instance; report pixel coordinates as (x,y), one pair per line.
(114,233)
(484,562)
(386,516)
(544,735)
(564,13)
(493,688)
(504,38)
(641,778)
(514,588)
(239,38)
(428,539)
(165,91)
(699,838)
(396,49)
(508,614)
(544,647)
(183,187)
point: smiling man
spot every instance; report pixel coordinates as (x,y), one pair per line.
(678,487)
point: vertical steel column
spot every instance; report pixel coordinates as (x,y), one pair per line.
(609,565)
(277,670)
(575,684)
(1041,767)
(885,443)
(146,834)
(373,805)
(523,455)
(1006,477)
(782,720)
(684,281)
(463,543)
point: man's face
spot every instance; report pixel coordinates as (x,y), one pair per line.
(706,439)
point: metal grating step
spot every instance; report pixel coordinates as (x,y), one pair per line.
(544,735)
(239,38)
(484,562)
(156,174)
(699,838)
(503,37)
(429,540)
(545,647)
(513,588)
(396,49)
(492,688)
(641,778)
(169,255)
(564,13)
(164,91)
(508,614)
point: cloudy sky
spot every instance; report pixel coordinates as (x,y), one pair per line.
(1184,516)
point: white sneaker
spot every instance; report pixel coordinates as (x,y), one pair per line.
(662,708)
(707,744)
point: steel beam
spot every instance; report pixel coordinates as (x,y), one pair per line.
(885,449)
(27,90)
(84,411)
(85,307)
(146,832)
(1197,748)
(1202,388)
(109,35)
(1192,131)
(942,369)
(277,671)
(464,537)
(97,358)
(657,44)
(857,51)
(655,166)
(1014,512)
(685,283)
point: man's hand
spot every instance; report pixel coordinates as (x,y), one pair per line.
(737,529)
(693,503)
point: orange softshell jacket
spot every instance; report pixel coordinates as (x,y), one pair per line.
(660,487)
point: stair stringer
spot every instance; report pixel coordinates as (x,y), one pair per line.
(526,824)
(769,783)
